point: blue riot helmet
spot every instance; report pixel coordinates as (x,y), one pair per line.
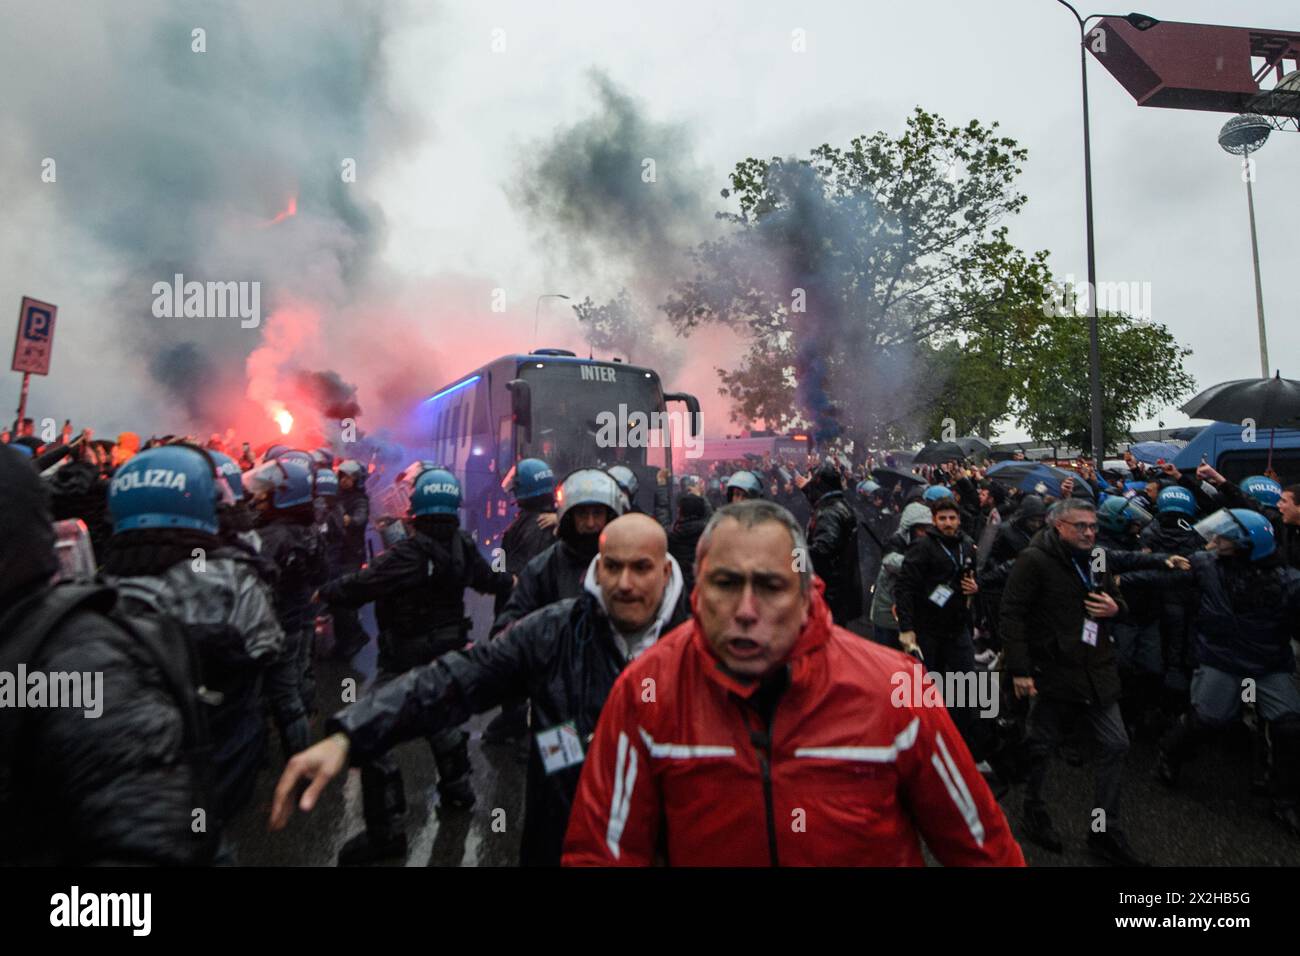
(533,479)
(867,488)
(297,454)
(1263,489)
(411,472)
(1247,530)
(274,452)
(288,483)
(229,469)
(935,492)
(325,482)
(166,487)
(1177,499)
(745,484)
(436,492)
(323,457)
(1116,514)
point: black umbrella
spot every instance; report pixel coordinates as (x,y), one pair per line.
(1036,477)
(1269,402)
(889,477)
(974,447)
(938,452)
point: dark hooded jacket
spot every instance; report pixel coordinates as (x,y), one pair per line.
(113,789)
(563,658)
(833,547)
(555,574)
(693,513)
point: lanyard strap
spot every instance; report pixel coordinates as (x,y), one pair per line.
(956,562)
(1085,578)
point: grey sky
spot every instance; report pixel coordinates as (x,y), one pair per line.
(1170,205)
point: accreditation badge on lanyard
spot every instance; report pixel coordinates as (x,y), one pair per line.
(941,594)
(560,747)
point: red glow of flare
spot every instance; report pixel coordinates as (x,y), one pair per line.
(291,210)
(284,420)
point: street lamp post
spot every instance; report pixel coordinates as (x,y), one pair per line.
(1241,136)
(1140,22)
(537,310)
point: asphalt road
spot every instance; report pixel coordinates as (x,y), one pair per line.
(1210,820)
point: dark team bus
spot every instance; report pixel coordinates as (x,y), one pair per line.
(571,412)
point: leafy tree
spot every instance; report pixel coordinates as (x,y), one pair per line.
(881,298)
(1141,373)
(613,326)
(857,273)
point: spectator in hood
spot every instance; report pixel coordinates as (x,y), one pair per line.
(914,523)
(692,515)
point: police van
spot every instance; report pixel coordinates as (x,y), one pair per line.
(1237,452)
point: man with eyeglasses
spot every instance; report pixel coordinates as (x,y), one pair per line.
(1056,616)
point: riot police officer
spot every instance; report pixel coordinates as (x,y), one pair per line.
(418,586)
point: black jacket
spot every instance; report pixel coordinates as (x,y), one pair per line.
(349,544)
(563,658)
(932,562)
(525,539)
(1246,612)
(418,586)
(693,514)
(113,790)
(553,575)
(1042,615)
(297,553)
(994,567)
(833,547)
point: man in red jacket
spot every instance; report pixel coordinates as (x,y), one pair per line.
(760,734)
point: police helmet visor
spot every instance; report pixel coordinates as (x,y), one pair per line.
(1223,524)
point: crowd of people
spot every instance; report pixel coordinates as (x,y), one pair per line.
(708,683)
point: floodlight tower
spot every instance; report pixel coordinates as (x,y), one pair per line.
(1241,136)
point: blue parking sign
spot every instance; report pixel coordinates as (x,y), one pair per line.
(35,340)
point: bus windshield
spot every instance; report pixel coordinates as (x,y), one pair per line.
(580,414)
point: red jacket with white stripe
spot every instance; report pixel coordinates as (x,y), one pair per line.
(681,765)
